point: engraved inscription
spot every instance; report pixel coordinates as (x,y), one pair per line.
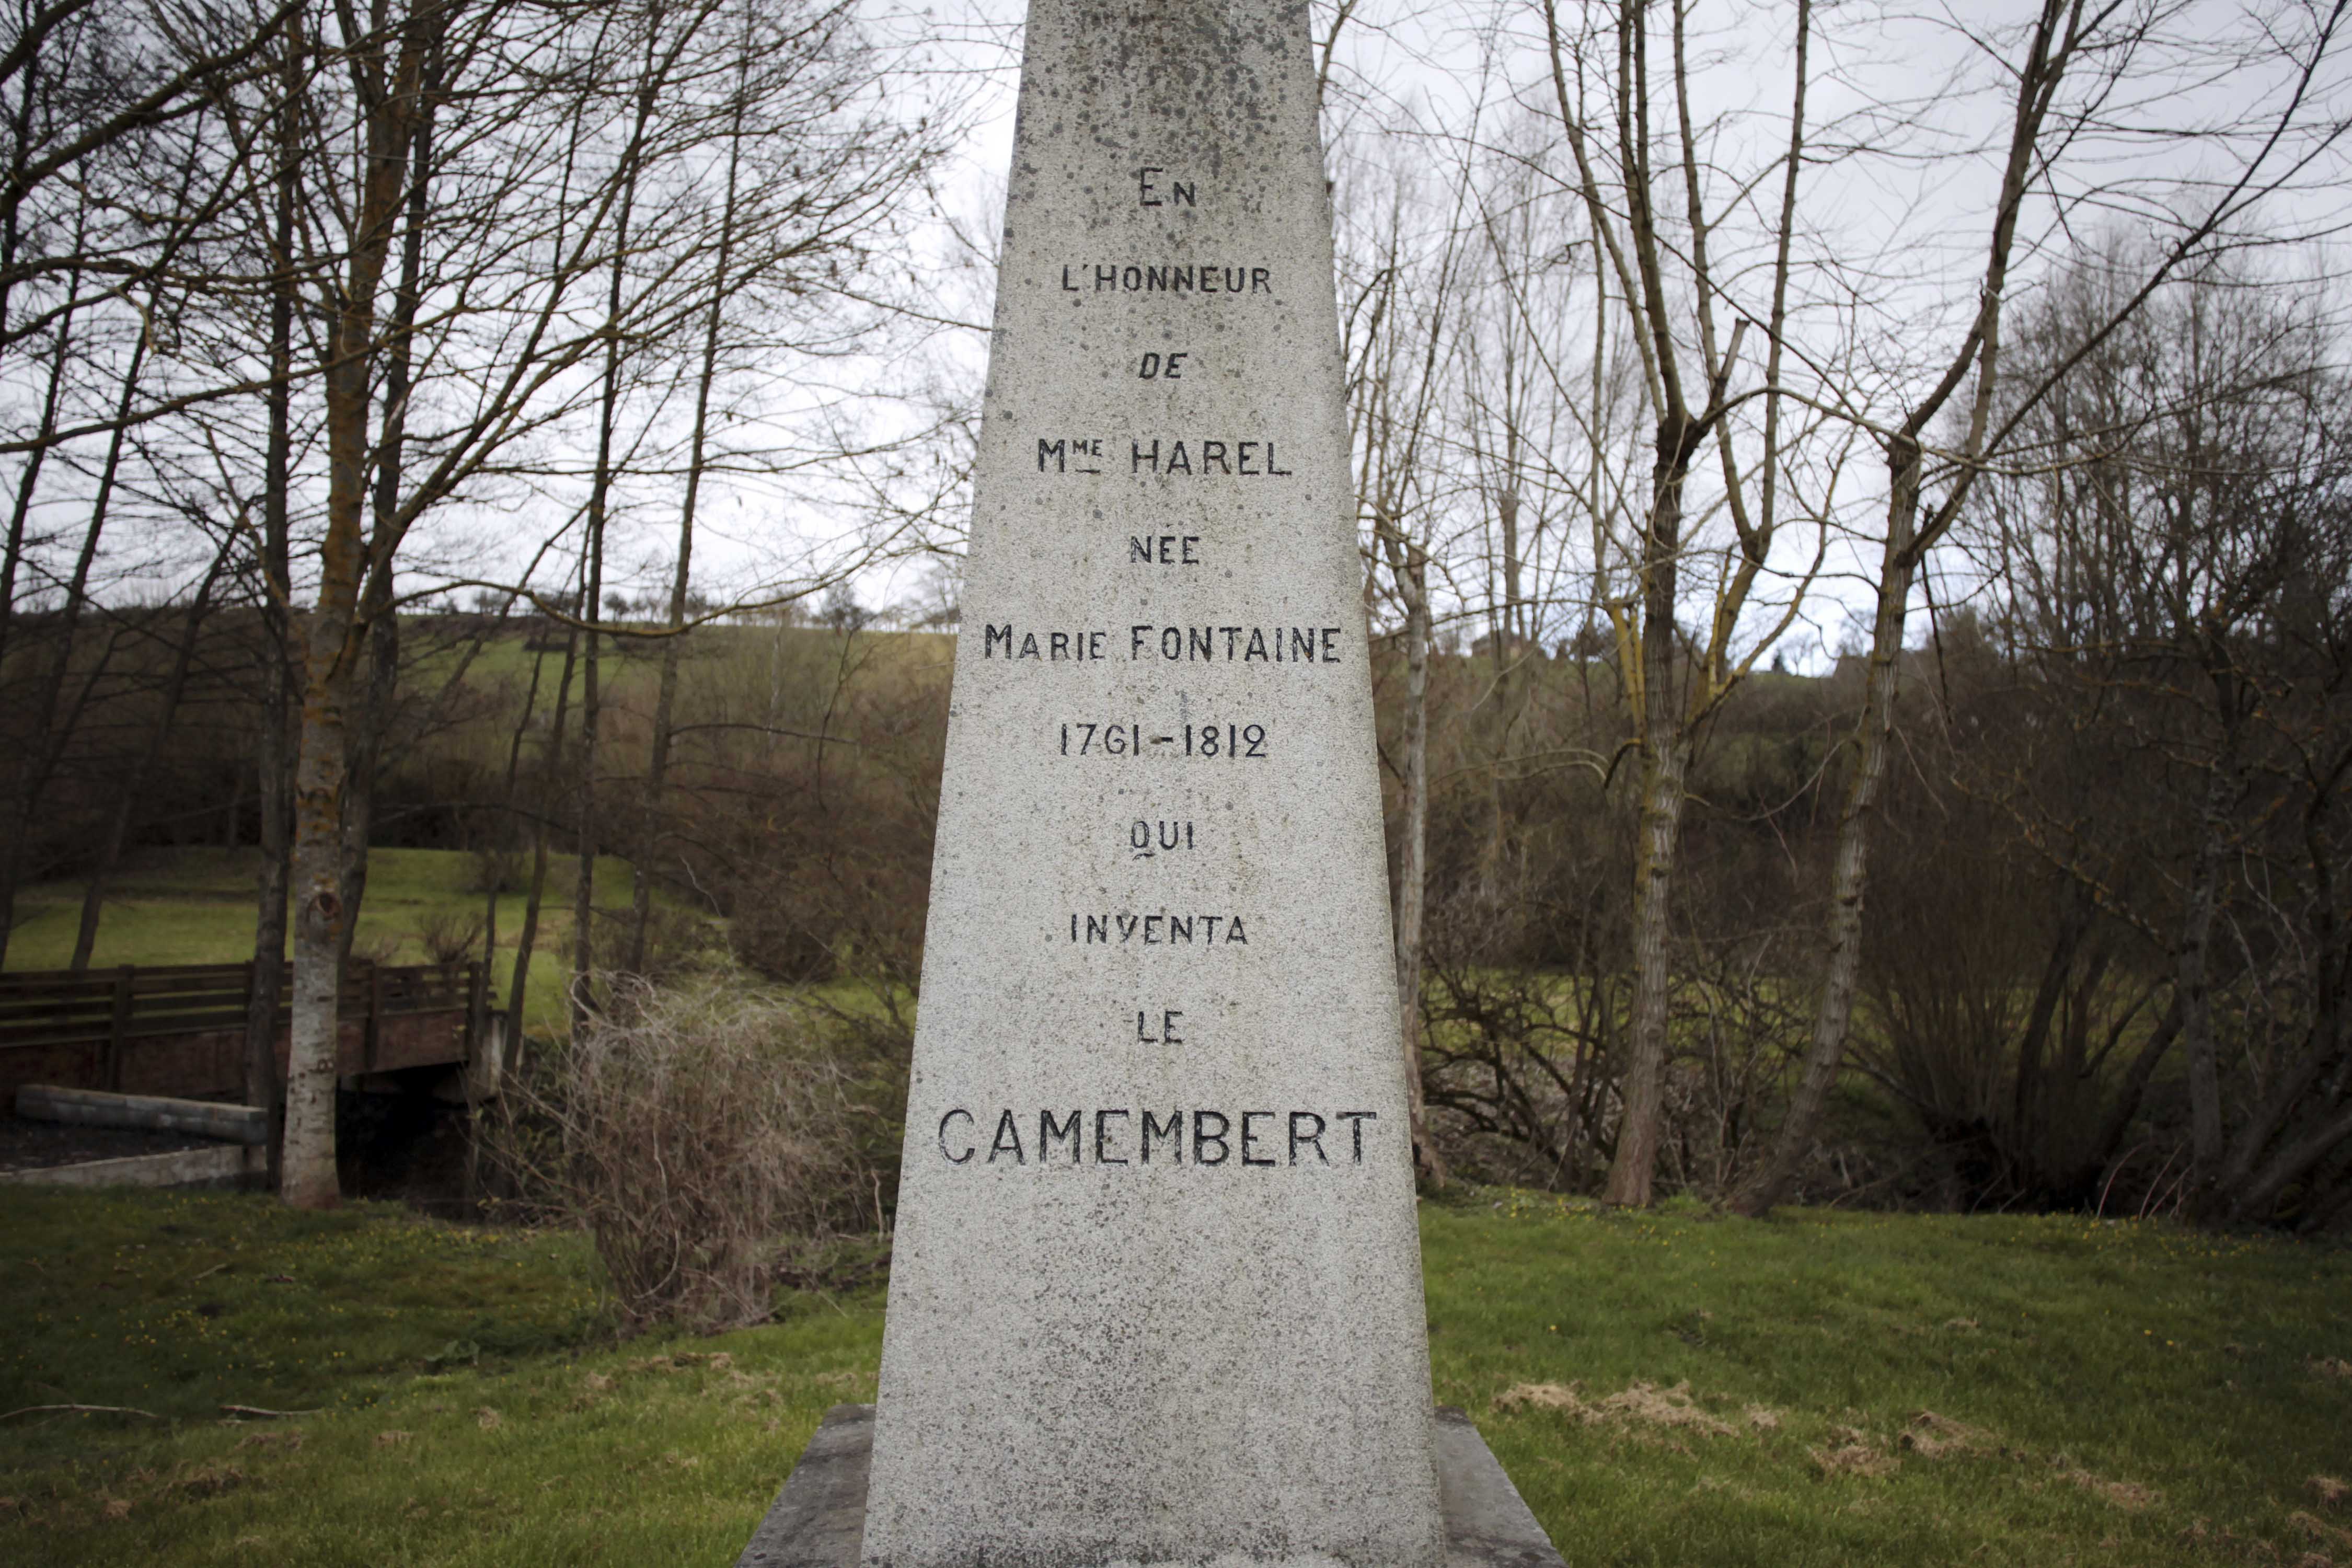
(1128,1137)
(1166,1024)
(1193,279)
(1071,455)
(1234,645)
(1147,643)
(1162,930)
(1230,741)
(1109,740)
(1173,458)
(1163,549)
(1233,459)
(1077,645)
(1120,1135)
(1151,192)
(948,1121)
(1146,840)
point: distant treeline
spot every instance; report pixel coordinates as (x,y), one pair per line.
(2019,1040)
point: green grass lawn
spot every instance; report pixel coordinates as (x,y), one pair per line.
(1833,1388)
(1825,1389)
(195,906)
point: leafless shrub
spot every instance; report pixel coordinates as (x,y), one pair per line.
(694,1133)
(498,871)
(1523,1064)
(380,949)
(450,936)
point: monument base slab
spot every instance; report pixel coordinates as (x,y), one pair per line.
(818,1520)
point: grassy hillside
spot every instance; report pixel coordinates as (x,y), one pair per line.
(1823,1390)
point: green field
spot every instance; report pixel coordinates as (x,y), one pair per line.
(1668,1388)
(196,906)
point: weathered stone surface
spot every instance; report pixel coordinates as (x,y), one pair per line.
(1156,1291)
(819,1518)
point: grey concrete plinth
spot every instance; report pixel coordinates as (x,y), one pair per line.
(819,1519)
(1487,1523)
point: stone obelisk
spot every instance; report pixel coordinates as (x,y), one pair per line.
(1156,1292)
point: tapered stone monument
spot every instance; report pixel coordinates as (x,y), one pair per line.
(1156,1294)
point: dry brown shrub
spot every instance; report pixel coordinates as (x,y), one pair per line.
(380,949)
(450,936)
(693,1131)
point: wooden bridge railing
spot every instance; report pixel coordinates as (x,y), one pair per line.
(106,1009)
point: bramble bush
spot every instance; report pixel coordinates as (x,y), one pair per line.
(694,1133)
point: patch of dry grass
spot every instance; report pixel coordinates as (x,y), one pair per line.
(1852,1452)
(1639,1404)
(1934,1437)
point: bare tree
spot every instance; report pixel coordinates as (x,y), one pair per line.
(585,132)
(274,207)
(1657,245)
(1398,326)
(2173,564)
(723,281)
(2069,67)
